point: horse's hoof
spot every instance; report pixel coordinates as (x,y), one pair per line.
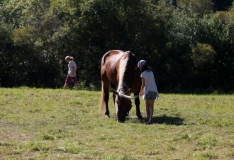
(107,116)
(140,117)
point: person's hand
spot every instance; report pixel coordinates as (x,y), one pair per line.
(141,93)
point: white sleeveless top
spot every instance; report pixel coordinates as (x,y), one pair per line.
(150,84)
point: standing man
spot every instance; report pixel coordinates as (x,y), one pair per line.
(71,72)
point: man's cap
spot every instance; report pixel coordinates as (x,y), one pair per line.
(67,57)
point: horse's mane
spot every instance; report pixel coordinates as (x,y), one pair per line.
(122,68)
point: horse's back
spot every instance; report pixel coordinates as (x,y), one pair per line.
(111,56)
(110,65)
(114,56)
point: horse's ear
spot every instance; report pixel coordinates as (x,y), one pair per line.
(115,92)
(128,51)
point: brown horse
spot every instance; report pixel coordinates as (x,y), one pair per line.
(118,68)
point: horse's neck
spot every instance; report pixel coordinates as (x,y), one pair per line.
(121,85)
(122,68)
(121,90)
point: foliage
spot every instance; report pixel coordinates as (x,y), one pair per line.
(202,54)
(199,7)
(36,36)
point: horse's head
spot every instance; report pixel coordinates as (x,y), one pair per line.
(123,105)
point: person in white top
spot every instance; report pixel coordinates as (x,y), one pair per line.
(71,76)
(149,89)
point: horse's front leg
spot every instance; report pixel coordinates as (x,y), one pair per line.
(114,96)
(138,112)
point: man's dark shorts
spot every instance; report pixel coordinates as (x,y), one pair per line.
(69,79)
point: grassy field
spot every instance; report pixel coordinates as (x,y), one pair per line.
(65,124)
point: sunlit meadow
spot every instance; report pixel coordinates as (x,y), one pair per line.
(66,124)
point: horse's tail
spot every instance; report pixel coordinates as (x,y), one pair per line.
(102,102)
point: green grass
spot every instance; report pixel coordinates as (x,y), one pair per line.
(40,124)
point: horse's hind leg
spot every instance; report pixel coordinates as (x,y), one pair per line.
(105,88)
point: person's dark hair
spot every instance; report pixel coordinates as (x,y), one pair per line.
(146,67)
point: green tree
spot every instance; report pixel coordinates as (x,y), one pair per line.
(199,7)
(203,58)
(182,40)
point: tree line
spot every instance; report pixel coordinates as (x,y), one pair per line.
(189,44)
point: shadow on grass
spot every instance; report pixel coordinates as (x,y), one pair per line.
(164,119)
(168,120)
